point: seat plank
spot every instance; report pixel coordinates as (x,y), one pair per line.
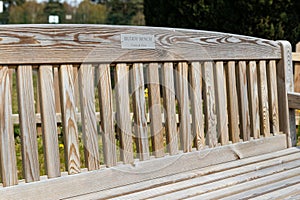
(195,73)
(27,123)
(8,163)
(251,163)
(156,127)
(139,109)
(205,183)
(106,114)
(49,124)
(184,106)
(68,108)
(253,99)
(123,112)
(88,116)
(169,105)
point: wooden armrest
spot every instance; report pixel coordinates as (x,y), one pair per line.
(294,100)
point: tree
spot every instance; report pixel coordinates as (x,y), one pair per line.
(54,7)
(30,12)
(125,12)
(90,13)
(272,19)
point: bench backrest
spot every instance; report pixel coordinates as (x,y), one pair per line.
(153,91)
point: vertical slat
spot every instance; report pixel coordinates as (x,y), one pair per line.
(106,115)
(253,99)
(88,116)
(27,123)
(156,127)
(263,99)
(56,90)
(243,100)
(273,96)
(169,105)
(139,108)
(233,112)
(123,112)
(209,105)
(8,164)
(285,85)
(297,70)
(183,101)
(196,104)
(221,102)
(69,119)
(49,125)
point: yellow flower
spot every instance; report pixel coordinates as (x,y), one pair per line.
(146,93)
(61,145)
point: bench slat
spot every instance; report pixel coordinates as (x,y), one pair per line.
(273,98)
(209,105)
(27,123)
(183,103)
(70,130)
(139,108)
(8,164)
(263,99)
(156,127)
(123,112)
(233,112)
(88,117)
(196,104)
(244,112)
(106,114)
(253,99)
(169,106)
(221,103)
(49,124)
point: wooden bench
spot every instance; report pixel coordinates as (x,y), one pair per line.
(158,113)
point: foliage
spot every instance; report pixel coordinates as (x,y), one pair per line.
(89,13)
(30,12)
(262,18)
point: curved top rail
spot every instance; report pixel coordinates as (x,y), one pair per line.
(42,44)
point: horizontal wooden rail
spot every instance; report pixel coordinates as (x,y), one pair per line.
(296,56)
(294,100)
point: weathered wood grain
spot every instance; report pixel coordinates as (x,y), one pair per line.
(195,73)
(106,114)
(139,108)
(244,112)
(88,117)
(273,96)
(96,181)
(49,124)
(8,163)
(164,185)
(102,43)
(285,84)
(221,103)
(70,130)
(209,104)
(297,68)
(294,100)
(123,111)
(56,90)
(233,112)
(253,99)
(169,106)
(156,127)
(182,94)
(27,124)
(263,99)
